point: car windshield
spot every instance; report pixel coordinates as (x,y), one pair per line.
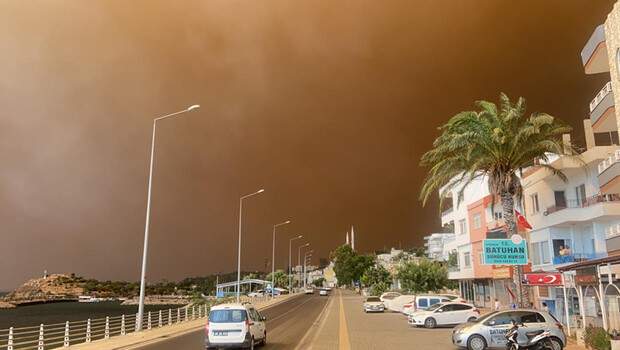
(434,307)
(227,316)
(373,299)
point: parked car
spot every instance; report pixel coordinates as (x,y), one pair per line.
(422,302)
(309,291)
(389,296)
(489,330)
(235,325)
(444,314)
(373,304)
(256,293)
(323,292)
(396,304)
(454,298)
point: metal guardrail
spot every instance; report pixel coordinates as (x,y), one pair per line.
(59,335)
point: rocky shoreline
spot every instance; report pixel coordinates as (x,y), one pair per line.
(6,305)
(159,300)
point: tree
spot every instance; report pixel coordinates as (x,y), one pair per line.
(494,143)
(377,279)
(319,281)
(425,276)
(348,265)
(280,279)
(419,252)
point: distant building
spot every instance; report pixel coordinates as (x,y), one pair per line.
(434,244)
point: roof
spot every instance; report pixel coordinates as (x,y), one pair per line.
(234,283)
(614,259)
(229,306)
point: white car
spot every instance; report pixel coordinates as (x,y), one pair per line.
(256,294)
(399,302)
(389,296)
(309,291)
(323,292)
(444,314)
(235,325)
(373,304)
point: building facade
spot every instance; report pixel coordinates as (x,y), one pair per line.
(434,243)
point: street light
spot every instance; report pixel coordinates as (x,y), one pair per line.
(299,257)
(273,255)
(148,214)
(306,256)
(239,248)
(290,285)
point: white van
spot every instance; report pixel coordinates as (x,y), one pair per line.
(423,302)
(235,325)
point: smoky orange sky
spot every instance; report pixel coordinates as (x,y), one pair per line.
(328,105)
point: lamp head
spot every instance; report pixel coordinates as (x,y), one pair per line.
(261,190)
(192,107)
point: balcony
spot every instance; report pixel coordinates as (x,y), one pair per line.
(602,111)
(577,257)
(612,231)
(574,211)
(594,54)
(609,173)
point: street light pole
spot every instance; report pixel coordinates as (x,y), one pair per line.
(290,285)
(239,247)
(148,215)
(306,256)
(273,256)
(299,258)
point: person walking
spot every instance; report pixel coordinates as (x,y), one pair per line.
(496,305)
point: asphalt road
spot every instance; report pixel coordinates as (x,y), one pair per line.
(287,323)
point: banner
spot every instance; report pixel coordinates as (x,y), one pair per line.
(543,279)
(505,251)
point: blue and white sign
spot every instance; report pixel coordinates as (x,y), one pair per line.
(505,251)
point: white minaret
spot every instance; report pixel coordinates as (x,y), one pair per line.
(352,238)
(347,239)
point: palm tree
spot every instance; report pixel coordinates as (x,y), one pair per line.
(495,143)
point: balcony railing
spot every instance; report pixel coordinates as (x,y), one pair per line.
(574,203)
(609,161)
(612,231)
(606,90)
(577,257)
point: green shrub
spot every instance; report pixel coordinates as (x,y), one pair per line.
(597,338)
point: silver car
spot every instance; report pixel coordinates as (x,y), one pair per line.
(489,330)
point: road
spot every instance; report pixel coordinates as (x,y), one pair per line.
(287,323)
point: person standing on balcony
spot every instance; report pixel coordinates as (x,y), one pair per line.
(562,251)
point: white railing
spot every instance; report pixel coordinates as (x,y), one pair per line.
(59,335)
(609,161)
(606,90)
(612,230)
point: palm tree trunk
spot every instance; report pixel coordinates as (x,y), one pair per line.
(508,212)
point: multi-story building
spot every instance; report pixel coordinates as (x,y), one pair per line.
(579,219)
(434,243)
(601,55)
(475,217)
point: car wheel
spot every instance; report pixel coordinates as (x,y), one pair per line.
(471,319)
(430,323)
(476,342)
(556,344)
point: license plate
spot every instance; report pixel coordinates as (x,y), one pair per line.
(220,333)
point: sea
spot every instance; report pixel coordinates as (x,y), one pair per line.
(34,315)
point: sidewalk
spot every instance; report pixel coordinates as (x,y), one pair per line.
(154,335)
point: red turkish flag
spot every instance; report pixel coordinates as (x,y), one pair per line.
(522,221)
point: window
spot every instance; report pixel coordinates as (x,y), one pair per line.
(422,302)
(580,194)
(227,316)
(562,247)
(461,307)
(477,221)
(535,205)
(502,319)
(540,253)
(446,308)
(498,215)
(462,226)
(530,317)
(434,301)
(467,259)
(560,199)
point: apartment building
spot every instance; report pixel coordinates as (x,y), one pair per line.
(578,220)
(434,243)
(475,218)
(601,55)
